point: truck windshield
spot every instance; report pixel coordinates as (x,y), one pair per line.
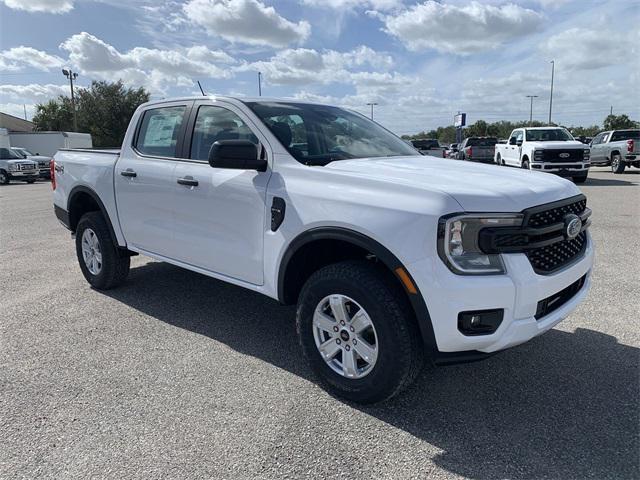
(319,134)
(548,135)
(8,154)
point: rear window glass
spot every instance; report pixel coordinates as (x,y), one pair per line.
(625,135)
(159,129)
(481,142)
(424,144)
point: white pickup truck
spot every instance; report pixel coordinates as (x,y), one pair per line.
(390,257)
(545,149)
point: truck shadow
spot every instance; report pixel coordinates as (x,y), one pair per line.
(564,405)
(610,182)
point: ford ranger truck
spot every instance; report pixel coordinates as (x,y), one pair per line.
(391,258)
(616,148)
(545,149)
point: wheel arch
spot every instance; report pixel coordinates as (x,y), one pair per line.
(289,281)
(83,199)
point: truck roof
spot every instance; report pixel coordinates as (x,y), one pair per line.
(233,99)
(542,128)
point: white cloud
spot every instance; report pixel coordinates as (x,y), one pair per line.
(246,21)
(19,57)
(153,68)
(352,4)
(305,66)
(584,49)
(32,92)
(18,109)
(47,6)
(460,30)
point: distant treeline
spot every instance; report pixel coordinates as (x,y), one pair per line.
(503,128)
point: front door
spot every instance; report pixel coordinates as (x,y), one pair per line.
(220,213)
(144,179)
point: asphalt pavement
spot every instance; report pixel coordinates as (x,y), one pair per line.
(176,375)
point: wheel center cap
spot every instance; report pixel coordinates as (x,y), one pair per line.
(344,335)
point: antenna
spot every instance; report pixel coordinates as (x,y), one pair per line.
(203,94)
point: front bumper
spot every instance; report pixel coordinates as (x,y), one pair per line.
(562,169)
(517,292)
(23,175)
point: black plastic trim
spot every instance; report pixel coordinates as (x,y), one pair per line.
(382,253)
(62,215)
(103,210)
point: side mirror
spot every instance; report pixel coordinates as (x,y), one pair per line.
(236,154)
(519,143)
(512,141)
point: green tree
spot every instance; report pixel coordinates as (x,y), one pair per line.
(56,115)
(103,110)
(619,122)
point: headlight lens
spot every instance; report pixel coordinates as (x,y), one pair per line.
(537,155)
(458,243)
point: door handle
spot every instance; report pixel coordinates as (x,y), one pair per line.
(128,173)
(190,182)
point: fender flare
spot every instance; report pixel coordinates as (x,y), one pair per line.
(382,253)
(84,189)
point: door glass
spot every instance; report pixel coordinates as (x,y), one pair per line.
(159,130)
(213,124)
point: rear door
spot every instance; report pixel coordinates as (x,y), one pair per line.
(144,178)
(220,213)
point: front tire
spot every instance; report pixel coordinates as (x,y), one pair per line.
(358,332)
(581,178)
(525,164)
(103,264)
(617,165)
(31,181)
(4,178)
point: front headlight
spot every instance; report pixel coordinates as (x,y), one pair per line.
(538,155)
(13,167)
(586,154)
(458,242)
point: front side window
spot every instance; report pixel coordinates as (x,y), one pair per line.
(214,124)
(320,134)
(548,135)
(159,130)
(8,154)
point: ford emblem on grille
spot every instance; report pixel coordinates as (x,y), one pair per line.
(573,225)
(564,155)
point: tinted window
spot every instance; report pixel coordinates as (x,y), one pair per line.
(548,135)
(159,130)
(213,124)
(8,154)
(319,134)
(625,135)
(425,144)
(480,142)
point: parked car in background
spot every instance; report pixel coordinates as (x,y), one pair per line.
(389,258)
(618,148)
(44,163)
(451,151)
(15,167)
(428,146)
(545,149)
(48,143)
(477,149)
(582,139)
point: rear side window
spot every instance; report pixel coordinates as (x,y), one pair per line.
(159,130)
(625,135)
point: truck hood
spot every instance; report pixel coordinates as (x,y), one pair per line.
(19,161)
(38,158)
(476,187)
(569,145)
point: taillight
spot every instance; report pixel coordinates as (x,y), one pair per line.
(52,169)
(630,146)
(469,151)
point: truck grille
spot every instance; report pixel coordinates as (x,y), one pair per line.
(26,166)
(560,155)
(555,256)
(555,301)
(555,215)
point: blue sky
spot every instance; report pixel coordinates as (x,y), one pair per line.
(421,61)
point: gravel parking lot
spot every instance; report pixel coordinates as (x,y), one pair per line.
(181,376)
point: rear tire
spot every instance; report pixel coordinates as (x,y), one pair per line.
(4,178)
(103,264)
(362,291)
(617,165)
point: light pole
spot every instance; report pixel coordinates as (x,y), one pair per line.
(553,67)
(531,109)
(259,84)
(372,104)
(72,76)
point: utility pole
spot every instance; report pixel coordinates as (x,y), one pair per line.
(24,105)
(372,104)
(553,67)
(611,110)
(531,109)
(259,84)
(72,76)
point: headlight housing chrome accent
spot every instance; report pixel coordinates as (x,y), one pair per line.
(538,155)
(458,242)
